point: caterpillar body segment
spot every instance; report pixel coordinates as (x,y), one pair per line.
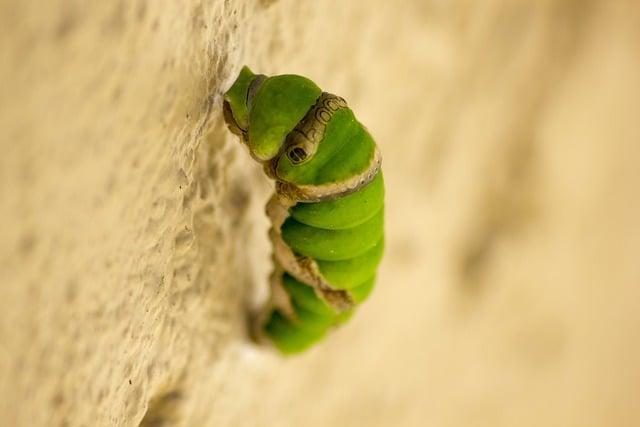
(327,212)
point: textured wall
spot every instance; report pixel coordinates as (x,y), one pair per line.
(133,238)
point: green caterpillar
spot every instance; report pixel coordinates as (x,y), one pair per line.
(327,211)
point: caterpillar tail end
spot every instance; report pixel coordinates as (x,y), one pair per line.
(290,324)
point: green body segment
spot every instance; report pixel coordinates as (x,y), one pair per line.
(347,257)
(343,235)
(345,212)
(333,245)
(353,272)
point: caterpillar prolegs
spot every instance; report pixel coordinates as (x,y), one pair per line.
(328,208)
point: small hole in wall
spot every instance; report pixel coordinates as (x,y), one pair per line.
(163,410)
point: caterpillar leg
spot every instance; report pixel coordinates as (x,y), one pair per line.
(278,300)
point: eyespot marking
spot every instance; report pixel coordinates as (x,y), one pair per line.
(308,134)
(296,154)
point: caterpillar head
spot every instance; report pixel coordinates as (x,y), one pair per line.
(302,136)
(264,110)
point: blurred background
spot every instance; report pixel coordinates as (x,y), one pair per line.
(133,238)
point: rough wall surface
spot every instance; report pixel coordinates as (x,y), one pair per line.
(133,237)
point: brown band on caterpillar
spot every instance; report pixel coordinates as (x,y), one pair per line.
(304,269)
(302,142)
(334,190)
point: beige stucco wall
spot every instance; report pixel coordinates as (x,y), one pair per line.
(133,239)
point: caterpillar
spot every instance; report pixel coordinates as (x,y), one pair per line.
(327,212)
